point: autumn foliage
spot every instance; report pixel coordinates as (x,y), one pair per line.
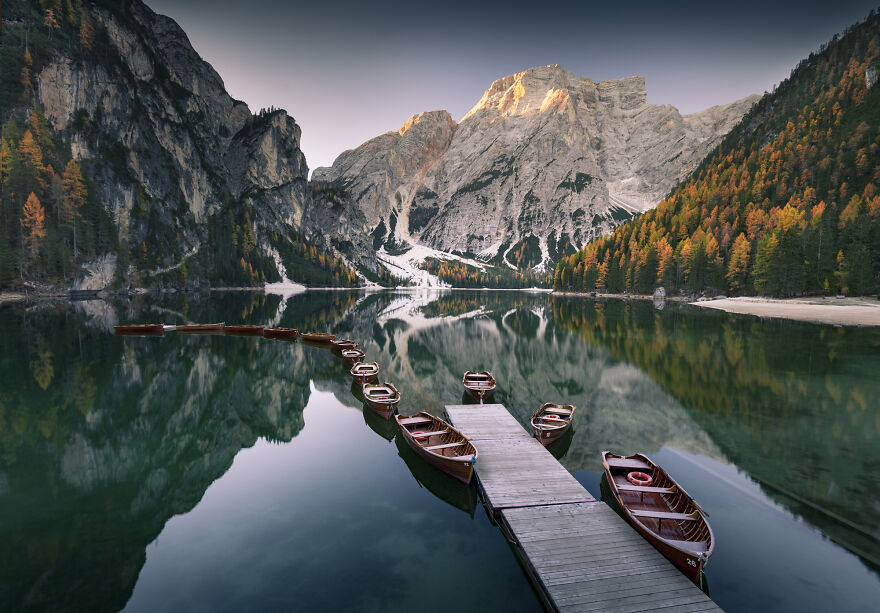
(787,204)
(33,222)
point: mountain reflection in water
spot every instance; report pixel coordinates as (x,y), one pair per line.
(104,439)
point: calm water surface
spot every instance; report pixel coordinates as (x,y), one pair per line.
(211,473)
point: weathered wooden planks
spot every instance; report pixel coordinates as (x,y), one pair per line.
(579,552)
(485,421)
(587,558)
(513,469)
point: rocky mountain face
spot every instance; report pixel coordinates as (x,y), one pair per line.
(544,162)
(171,153)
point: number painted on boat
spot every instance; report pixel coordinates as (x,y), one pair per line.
(692,563)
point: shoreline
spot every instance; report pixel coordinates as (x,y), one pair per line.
(277,289)
(862,312)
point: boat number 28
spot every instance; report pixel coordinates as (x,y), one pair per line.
(692,563)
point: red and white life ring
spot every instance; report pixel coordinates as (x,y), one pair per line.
(639,478)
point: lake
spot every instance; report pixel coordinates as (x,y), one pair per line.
(213,473)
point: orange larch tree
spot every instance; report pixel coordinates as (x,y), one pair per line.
(33,223)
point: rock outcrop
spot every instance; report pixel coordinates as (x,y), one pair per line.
(544,160)
(168,149)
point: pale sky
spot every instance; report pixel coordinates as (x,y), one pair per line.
(349,71)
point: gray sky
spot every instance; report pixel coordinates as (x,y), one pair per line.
(349,71)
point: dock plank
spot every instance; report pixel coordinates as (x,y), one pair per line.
(580,553)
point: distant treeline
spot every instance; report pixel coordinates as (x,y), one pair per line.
(459,274)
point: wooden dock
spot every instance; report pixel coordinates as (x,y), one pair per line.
(580,554)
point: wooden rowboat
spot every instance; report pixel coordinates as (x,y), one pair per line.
(317,337)
(551,421)
(479,384)
(440,444)
(140,330)
(353,356)
(364,372)
(285,334)
(661,511)
(200,329)
(243,330)
(341,344)
(382,398)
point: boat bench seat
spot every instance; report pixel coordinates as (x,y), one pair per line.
(645,489)
(627,463)
(664,515)
(415,420)
(558,411)
(431,433)
(697,547)
(445,446)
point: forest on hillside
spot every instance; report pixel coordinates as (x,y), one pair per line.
(788,204)
(53,219)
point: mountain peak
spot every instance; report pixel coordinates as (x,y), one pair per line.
(548,88)
(429,118)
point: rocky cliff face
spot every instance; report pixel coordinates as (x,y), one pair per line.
(544,161)
(168,149)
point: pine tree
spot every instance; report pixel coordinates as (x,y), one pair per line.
(74,198)
(7,262)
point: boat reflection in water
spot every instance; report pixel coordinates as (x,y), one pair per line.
(560,446)
(383,427)
(444,487)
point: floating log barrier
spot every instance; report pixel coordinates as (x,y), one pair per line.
(140,330)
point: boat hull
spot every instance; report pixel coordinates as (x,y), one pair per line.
(546,432)
(434,432)
(479,395)
(546,437)
(458,469)
(285,334)
(690,563)
(364,379)
(479,385)
(341,345)
(353,356)
(318,337)
(384,400)
(385,411)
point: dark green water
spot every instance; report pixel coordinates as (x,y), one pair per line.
(213,473)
